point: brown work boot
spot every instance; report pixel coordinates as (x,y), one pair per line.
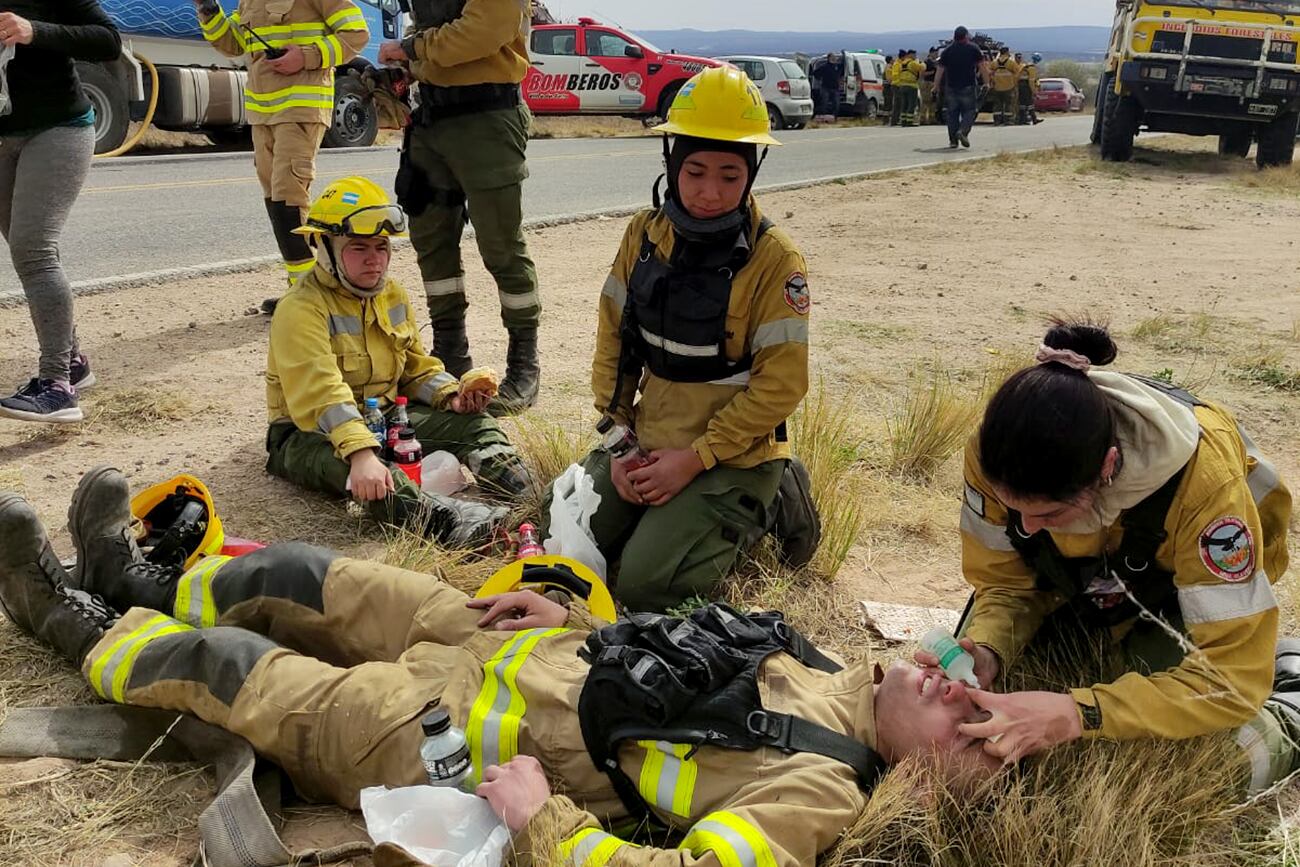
(109,563)
(523,375)
(33,589)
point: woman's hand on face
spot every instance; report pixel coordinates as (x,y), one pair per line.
(1023,723)
(15,29)
(670,470)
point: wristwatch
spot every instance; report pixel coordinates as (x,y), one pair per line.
(408,46)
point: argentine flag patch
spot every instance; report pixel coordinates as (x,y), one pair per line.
(351,198)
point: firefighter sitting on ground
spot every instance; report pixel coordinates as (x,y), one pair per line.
(346,332)
(908,72)
(702,351)
(1005,73)
(1028,89)
(289,100)
(1124,496)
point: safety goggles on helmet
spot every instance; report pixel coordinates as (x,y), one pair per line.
(365,222)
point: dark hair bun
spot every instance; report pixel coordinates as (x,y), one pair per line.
(1090,339)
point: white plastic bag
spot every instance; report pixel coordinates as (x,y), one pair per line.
(440,473)
(573,501)
(442,827)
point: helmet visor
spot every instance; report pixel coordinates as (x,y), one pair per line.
(367,222)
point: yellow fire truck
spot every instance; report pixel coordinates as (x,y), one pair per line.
(1202,67)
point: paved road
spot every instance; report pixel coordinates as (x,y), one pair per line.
(151,213)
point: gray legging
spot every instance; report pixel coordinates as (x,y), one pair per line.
(40,177)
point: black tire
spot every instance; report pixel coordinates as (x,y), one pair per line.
(775,120)
(1103,87)
(1235,144)
(1277,141)
(1120,127)
(356,120)
(112,109)
(799,124)
(667,96)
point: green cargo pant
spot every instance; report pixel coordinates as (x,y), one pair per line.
(683,548)
(477,157)
(307,458)
(1004,106)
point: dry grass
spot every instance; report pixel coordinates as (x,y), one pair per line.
(1280,181)
(588,127)
(142,409)
(932,423)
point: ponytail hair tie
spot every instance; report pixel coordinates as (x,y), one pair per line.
(1066,357)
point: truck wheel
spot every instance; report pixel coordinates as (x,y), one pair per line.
(774,119)
(356,121)
(1119,127)
(865,108)
(1235,144)
(1277,141)
(1098,107)
(112,110)
(666,98)
(240,137)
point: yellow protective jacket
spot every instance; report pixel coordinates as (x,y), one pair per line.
(1029,73)
(1004,73)
(1228,609)
(487,44)
(732,421)
(329,32)
(330,350)
(735,807)
(908,74)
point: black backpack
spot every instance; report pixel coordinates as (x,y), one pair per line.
(694,680)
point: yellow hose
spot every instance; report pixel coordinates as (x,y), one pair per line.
(148,115)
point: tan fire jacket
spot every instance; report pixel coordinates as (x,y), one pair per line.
(487,44)
(1229,491)
(331,350)
(908,73)
(733,421)
(519,695)
(1004,73)
(329,32)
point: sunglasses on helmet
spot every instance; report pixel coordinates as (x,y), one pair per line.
(366,222)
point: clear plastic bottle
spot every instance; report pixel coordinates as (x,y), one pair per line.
(408,455)
(529,545)
(621,443)
(399,422)
(953,658)
(444,751)
(375,420)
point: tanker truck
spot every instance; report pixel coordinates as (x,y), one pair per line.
(201,90)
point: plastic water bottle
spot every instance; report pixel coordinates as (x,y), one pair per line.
(529,545)
(444,751)
(375,420)
(621,443)
(407,454)
(398,423)
(953,658)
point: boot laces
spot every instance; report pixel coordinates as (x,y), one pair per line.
(160,575)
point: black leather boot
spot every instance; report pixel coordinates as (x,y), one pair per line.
(451,346)
(523,375)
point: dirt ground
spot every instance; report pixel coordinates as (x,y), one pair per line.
(1191,257)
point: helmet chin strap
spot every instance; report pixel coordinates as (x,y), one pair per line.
(332,260)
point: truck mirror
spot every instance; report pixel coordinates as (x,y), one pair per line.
(633,51)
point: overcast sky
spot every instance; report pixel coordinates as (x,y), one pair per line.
(872,16)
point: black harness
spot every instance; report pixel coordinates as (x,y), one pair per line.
(694,680)
(1133,562)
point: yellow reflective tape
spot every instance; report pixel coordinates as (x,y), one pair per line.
(293,103)
(300,267)
(124,667)
(214,35)
(483,703)
(301,28)
(684,791)
(668,777)
(651,770)
(345,15)
(591,847)
(198,581)
(514,714)
(97,669)
(735,842)
(294,90)
(337,45)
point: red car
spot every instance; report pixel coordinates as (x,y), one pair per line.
(1058,94)
(592,68)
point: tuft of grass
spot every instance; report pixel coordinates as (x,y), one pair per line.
(1265,368)
(1281,181)
(932,423)
(140,409)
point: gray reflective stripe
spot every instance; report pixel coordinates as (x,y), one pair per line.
(1210,603)
(397,314)
(587,846)
(505,694)
(115,661)
(518,300)
(1253,741)
(781,331)
(475,459)
(339,413)
(616,290)
(304,93)
(740,379)
(429,390)
(449,286)
(344,324)
(744,853)
(1263,479)
(991,536)
(684,349)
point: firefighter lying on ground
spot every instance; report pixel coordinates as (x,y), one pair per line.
(347,332)
(702,350)
(1092,497)
(326,664)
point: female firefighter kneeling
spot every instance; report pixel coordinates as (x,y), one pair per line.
(702,352)
(345,333)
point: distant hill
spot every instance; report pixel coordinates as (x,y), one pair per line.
(1075,43)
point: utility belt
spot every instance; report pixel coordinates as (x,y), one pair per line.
(439,103)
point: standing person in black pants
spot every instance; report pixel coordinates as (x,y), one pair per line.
(961,67)
(46,142)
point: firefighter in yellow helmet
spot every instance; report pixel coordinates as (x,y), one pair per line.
(701,353)
(346,332)
(908,72)
(1005,74)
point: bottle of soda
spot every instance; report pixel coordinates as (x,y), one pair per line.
(399,422)
(621,443)
(529,544)
(444,751)
(375,420)
(407,454)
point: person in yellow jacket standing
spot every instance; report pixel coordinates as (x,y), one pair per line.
(1096,501)
(1005,74)
(346,332)
(908,72)
(463,158)
(702,351)
(1028,89)
(289,100)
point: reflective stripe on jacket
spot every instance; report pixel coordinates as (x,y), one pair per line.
(331,350)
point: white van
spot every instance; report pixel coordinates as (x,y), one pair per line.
(864,85)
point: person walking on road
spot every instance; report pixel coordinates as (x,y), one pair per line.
(47,138)
(466,148)
(289,99)
(962,68)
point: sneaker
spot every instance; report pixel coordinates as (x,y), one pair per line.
(964,139)
(80,373)
(43,400)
